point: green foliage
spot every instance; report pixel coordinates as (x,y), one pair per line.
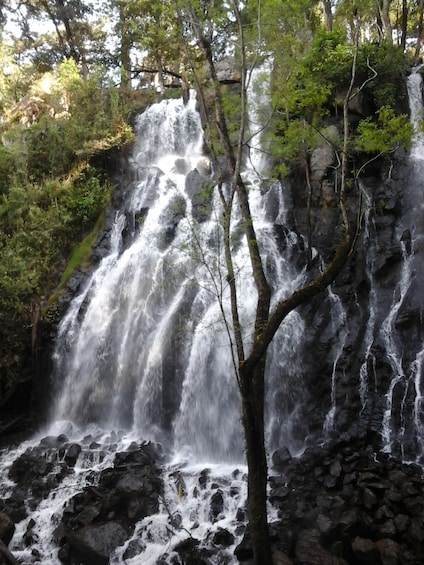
(319,81)
(329,59)
(80,254)
(384,134)
(63,120)
(39,222)
(292,144)
(88,197)
(391,65)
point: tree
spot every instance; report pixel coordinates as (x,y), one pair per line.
(249,362)
(200,25)
(54,30)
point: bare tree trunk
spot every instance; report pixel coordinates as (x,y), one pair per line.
(308,207)
(159,75)
(404,24)
(125,47)
(252,393)
(328,16)
(420,30)
(250,370)
(385,19)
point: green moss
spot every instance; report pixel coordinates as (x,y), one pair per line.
(80,256)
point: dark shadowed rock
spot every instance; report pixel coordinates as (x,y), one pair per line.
(72,454)
(7,528)
(280,458)
(309,552)
(390,553)
(217,505)
(223,538)
(364,550)
(6,557)
(93,545)
(199,189)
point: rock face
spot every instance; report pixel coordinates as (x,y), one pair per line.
(345,504)
(367,331)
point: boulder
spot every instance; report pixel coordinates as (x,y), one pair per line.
(94,544)
(6,558)
(7,528)
(309,551)
(199,189)
(323,155)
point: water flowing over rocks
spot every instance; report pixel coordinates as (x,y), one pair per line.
(100,517)
(339,503)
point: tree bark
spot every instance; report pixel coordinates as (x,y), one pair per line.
(252,392)
(404,24)
(125,47)
(250,370)
(420,29)
(328,16)
(385,19)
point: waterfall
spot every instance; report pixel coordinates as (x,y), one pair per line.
(144,347)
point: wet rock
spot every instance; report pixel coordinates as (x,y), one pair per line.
(191,553)
(364,498)
(135,547)
(364,550)
(204,167)
(389,551)
(217,505)
(72,454)
(309,552)
(94,544)
(280,458)
(181,166)
(244,550)
(335,469)
(170,219)
(279,558)
(101,517)
(199,189)
(323,156)
(369,499)
(7,528)
(401,522)
(223,538)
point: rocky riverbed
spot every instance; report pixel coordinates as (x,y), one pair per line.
(338,503)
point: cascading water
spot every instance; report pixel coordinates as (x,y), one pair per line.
(117,346)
